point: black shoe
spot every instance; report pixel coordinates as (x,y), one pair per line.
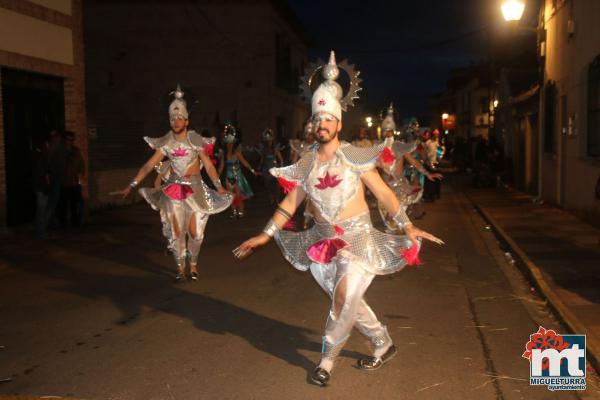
(373,363)
(194,276)
(320,376)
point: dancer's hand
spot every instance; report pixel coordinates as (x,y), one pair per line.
(414,233)
(435,176)
(246,248)
(123,193)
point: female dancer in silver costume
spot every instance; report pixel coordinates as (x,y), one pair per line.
(183,200)
(342,250)
(392,164)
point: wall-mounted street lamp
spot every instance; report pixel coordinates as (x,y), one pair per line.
(445,116)
(369,121)
(512,10)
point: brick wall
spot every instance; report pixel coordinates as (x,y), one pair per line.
(74,87)
(74,79)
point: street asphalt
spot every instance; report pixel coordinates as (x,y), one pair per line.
(95,314)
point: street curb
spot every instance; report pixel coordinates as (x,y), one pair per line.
(533,272)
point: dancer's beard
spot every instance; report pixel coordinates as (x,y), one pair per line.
(178,130)
(325,139)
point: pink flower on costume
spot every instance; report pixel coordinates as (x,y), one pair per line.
(323,251)
(178,192)
(411,255)
(328,181)
(180,152)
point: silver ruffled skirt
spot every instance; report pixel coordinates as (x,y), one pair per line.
(197,197)
(377,252)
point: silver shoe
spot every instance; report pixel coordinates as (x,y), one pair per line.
(374,363)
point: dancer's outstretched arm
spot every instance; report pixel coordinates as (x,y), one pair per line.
(145,170)
(384,194)
(283,214)
(211,171)
(417,164)
(245,163)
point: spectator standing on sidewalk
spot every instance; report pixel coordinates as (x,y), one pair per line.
(363,139)
(56,169)
(71,199)
(41,185)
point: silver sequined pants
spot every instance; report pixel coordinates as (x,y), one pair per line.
(182,243)
(346,282)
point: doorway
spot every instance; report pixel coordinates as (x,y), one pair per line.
(33,106)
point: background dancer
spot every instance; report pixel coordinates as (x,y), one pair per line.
(183,200)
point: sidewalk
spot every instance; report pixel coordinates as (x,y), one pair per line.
(560,253)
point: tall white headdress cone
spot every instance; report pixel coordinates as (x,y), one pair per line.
(178,107)
(388,123)
(326,99)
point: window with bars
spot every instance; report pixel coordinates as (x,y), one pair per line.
(593,131)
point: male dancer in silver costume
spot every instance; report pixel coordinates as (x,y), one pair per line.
(392,164)
(183,200)
(342,250)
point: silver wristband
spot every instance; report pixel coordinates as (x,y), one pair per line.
(271,228)
(401,219)
(218,184)
(133,184)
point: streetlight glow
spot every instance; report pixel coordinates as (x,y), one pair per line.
(368,120)
(445,116)
(512,10)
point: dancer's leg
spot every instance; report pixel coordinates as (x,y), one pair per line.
(177,218)
(351,282)
(196,231)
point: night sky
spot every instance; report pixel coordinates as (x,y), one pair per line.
(405,50)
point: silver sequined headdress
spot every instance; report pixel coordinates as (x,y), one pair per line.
(388,123)
(178,107)
(329,98)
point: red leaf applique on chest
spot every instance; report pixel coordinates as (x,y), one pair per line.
(328,181)
(180,152)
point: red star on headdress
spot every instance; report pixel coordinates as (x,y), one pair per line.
(322,102)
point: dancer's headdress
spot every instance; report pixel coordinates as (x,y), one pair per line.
(230,134)
(388,123)
(267,135)
(178,107)
(329,97)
